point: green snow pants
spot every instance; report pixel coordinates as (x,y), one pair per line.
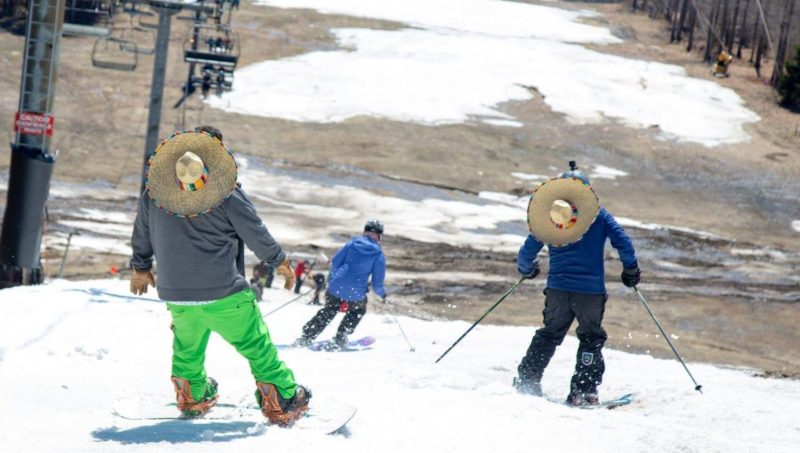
(238,321)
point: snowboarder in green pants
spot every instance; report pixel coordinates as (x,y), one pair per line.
(195,220)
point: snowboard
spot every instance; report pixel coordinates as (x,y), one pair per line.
(353,345)
(623,400)
(328,418)
(361,344)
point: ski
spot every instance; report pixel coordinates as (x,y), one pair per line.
(623,400)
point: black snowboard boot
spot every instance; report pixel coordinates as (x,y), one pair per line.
(582,399)
(341,340)
(528,387)
(302,342)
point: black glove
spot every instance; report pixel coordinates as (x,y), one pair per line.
(533,273)
(630,276)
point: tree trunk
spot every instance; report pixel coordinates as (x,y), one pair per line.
(692,25)
(732,34)
(682,20)
(715,10)
(673,36)
(743,38)
(756,36)
(762,46)
(724,31)
(780,52)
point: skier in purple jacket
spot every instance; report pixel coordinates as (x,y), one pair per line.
(348,285)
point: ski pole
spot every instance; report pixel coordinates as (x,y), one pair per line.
(287,303)
(391,312)
(697,386)
(502,298)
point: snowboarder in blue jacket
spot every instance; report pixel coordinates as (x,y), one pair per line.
(348,285)
(575,289)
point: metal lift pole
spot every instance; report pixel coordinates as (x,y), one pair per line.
(188,89)
(165,11)
(31,160)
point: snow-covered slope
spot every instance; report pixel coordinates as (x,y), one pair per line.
(69,349)
(460,60)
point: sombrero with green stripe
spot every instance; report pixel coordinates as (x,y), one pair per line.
(561,210)
(190,173)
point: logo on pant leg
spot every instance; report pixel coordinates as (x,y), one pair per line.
(587,358)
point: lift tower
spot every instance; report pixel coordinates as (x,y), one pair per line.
(31,160)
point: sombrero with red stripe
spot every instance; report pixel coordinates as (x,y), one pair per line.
(190,173)
(561,210)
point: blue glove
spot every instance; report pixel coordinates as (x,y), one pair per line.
(533,272)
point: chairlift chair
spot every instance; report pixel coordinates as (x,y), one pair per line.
(87,18)
(143,36)
(135,8)
(205,52)
(107,53)
(87,12)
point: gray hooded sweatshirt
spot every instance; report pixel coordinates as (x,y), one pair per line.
(200,258)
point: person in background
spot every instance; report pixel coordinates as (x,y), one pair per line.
(264,273)
(319,286)
(351,269)
(299,273)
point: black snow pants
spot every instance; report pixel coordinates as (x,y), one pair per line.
(355,311)
(560,309)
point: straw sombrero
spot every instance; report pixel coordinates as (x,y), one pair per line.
(561,211)
(190,173)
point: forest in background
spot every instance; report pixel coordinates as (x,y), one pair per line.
(764,33)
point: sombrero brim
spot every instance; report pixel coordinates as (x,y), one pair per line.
(162,181)
(573,190)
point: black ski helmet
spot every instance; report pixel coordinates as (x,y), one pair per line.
(374,226)
(575,173)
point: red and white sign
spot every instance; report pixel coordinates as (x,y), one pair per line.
(33,123)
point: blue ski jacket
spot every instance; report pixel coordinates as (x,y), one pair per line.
(352,266)
(579,267)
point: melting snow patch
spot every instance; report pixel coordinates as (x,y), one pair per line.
(796,225)
(529,176)
(626,222)
(603,172)
(503,123)
(417,74)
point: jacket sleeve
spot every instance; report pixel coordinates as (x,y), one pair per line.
(338,259)
(378,274)
(527,254)
(142,257)
(242,215)
(620,241)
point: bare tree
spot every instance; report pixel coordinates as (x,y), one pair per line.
(780,52)
(743,38)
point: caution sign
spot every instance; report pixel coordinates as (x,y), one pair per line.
(33,123)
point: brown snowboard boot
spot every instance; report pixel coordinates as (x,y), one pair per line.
(280,411)
(187,405)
